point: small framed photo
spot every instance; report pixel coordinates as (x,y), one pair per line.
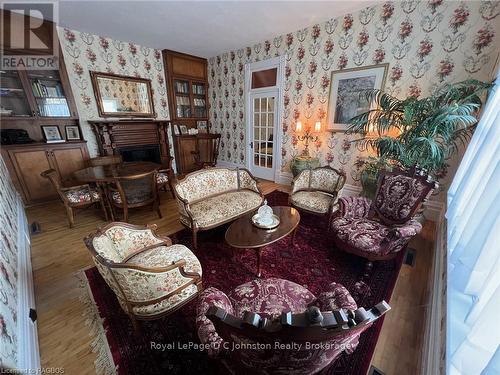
(183,129)
(72,133)
(176,129)
(346,88)
(202,126)
(52,134)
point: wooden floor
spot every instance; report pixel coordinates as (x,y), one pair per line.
(58,253)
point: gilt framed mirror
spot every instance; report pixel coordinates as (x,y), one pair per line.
(122,96)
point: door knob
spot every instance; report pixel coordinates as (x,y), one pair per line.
(251,144)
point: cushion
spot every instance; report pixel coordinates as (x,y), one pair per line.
(164,256)
(325,179)
(82,195)
(224,207)
(270,297)
(362,234)
(161,178)
(207,182)
(315,201)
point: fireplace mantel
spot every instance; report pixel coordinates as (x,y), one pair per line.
(115,134)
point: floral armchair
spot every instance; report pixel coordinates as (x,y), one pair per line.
(380,229)
(271,311)
(150,277)
(316,190)
(213,196)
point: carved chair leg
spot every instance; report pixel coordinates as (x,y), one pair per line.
(104,211)
(125,214)
(361,288)
(171,189)
(136,325)
(195,239)
(71,217)
(157,207)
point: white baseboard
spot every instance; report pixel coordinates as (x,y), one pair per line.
(285,178)
(434,348)
(434,210)
(29,354)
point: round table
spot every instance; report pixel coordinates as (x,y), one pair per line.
(109,173)
(242,234)
(103,174)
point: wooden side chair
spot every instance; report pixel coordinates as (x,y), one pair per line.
(134,191)
(79,196)
(105,160)
(206,150)
(165,176)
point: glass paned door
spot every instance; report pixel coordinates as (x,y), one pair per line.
(49,95)
(262,141)
(13,101)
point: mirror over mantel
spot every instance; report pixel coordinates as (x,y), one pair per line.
(122,96)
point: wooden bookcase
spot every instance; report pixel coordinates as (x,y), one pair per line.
(187,88)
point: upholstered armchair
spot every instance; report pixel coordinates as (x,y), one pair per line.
(266,312)
(77,196)
(316,190)
(380,229)
(150,277)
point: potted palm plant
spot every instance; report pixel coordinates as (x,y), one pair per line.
(428,130)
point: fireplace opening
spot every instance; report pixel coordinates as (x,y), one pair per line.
(141,153)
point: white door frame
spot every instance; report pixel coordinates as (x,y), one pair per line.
(279,63)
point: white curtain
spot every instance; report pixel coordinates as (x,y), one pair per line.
(473,285)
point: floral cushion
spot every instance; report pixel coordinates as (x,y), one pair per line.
(224,207)
(82,195)
(336,297)
(372,237)
(118,242)
(270,297)
(161,178)
(398,196)
(207,182)
(325,179)
(315,201)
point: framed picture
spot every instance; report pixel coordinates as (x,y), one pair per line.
(52,134)
(346,86)
(72,133)
(202,126)
(183,129)
(176,129)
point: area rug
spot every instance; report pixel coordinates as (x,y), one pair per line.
(313,262)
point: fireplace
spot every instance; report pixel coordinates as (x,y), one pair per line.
(141,153)
(135,140)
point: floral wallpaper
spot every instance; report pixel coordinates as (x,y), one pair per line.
(425,43)
(84,52)
(8,270)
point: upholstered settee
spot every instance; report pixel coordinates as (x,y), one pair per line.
(150,277)
(213,196)
(316,190)
(270,311)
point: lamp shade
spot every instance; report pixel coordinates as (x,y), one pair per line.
(298,126)
(317,126)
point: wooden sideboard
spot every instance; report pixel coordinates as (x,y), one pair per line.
(26,162)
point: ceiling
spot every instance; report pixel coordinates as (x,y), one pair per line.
(203,28)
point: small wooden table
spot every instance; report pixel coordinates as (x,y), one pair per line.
(103,174)
(242,234)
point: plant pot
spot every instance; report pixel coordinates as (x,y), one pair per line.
(369,183)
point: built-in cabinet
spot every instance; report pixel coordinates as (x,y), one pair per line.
(26,162)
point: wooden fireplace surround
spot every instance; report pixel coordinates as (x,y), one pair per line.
(112,135)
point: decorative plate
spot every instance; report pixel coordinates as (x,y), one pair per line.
(274,224)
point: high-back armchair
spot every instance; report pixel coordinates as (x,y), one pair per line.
(380,229)
(273,317)
(316,190)
(150,277)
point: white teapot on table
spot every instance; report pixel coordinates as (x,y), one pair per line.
(265,214)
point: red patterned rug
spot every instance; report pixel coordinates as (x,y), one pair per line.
(313,263)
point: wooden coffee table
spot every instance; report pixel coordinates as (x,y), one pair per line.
(242,234)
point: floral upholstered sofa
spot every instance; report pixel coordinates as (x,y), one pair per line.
(213,196)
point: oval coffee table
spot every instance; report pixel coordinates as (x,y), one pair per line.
(242,234)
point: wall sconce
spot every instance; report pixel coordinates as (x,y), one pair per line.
(307,136)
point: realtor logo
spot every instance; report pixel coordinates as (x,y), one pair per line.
(29,36)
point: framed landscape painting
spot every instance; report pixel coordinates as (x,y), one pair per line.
(345,89)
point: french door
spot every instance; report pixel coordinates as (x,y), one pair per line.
(262,133)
